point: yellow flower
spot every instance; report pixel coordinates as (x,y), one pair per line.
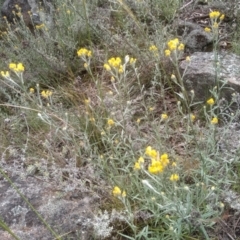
(20,67)
(89,54)
(181,47)
(132,61)
(107,67)
(115,62)
(153,48)
(92,119)
(83,52)
(210,101)
(87,101)
(155,167)
(141,160)
(110,122)
(214,14)
(207,29)
(164,159)
(137,166)
(19,14)
(151,152)
(221,205)
(39,26)
(85,65)
(167,52)
(173,77)
(164,116)
(139,163)
(116,191)
(46,94)
(31,90)
(16,67)
(214,120)
(5,74)
(124,194)
(222,17)
(12,66)
(188,59)
(174,177)
(192,117)
(174,164)
(120,70)
(172,44)
(68,12)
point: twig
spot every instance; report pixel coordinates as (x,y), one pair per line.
(186,5)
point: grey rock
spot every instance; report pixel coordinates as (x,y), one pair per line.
(27,6)
(200,74)
(198,40)
(185,27)
(67,212)
(9,6)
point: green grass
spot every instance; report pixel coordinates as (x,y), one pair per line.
(108,112)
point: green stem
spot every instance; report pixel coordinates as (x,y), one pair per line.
(6,228)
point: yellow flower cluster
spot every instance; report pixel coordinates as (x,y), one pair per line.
(110,122)
(207,29)
(153,48)
(174,45)
(216,17)
(188,59)
(210,101)
(164,116)
(214,121)
(139,163)
(174,177)
(158,163)
(46,93)
(216,14)
(132,61)
(115,63)
(16,67)
(5,74)
(31,90)
(40,26)
(192,117)
(117,192)
(83,52)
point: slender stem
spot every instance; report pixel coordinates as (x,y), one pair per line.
(29,204)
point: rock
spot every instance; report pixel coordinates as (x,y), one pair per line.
(185,27)
(73,213)
(29,10)
(198,40)
(200,74)
(11,9)
(194,36)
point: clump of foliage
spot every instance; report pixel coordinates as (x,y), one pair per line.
(93,91)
